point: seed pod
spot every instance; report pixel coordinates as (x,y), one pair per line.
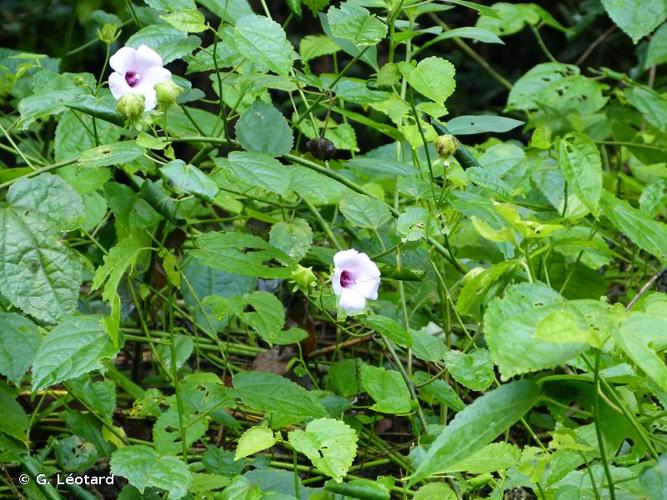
(446,145)
(321,148)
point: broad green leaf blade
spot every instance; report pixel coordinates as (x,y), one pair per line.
(645,232)
(257,169)
(433,77)
(639,336)
(186,20)
(255,439)
(263,41)
(477,34)
(167,435)
(241,253)
(116,153)
(582,167)
(390,328)
(50,197)
(473,370)
(636,18)
(650,104)
(493,457)
(14,420)
(74,347)
(364,211)
(264,129)
(313,46)
(145,468)
(477,425)
(286,402)
(356,24)
(188,179)
(480,124)
(19,339)
(171,43)
(38,273)
(330,444)
(657,48)
(267,317)
(294,238)
(511,330)
(388,390)
(375,167)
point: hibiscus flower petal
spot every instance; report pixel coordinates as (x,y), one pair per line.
(367,288)
(150,98)
(146,58)
(335,281)
(122,60)
(154,75)
(118,86)
(351,301)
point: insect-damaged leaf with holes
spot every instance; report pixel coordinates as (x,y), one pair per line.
(330,444)
(116,153)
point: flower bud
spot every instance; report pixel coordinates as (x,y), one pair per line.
(446,145)
(131,105)
(109,33)
(303,277)
(167,93)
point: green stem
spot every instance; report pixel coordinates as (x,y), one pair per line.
(34,173)
(598,431)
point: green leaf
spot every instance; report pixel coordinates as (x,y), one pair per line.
(53,92)
(50,197)
(258,170)
(294,238)
(384,168)
(285,402)
(639,336)
(145,468)
(437,391)
(186,20)
(228,10)
(342,377)
(255,439)
(116,153)
(267,317)
(657,48)
(477,425)
(478,283)
(167,431)
(510,18)
(73,138)
(241,253)
(473,370)
(183,347)
(356,24)
(650,104)
(511,330)
(74,347)
(19,339)
(263,41)
(170,5)
(580,161)
(14,420)
(636,18)
(477,34)
(468,124)
(364,211)
(313,46)
(264,129)
(188,179)
(493,457)
(433,77)
(648,234)
(653,480)
(441,491)
(388,390)
(330,444)
(39,274)
(390,328)
(428,346)
(171,43)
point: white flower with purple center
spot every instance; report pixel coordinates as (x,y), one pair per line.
(137,71)
(356,279)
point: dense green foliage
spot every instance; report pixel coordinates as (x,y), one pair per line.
(182,301)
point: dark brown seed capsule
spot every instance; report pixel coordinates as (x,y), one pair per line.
(321,148)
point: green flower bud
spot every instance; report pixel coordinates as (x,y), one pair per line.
(304,277)
(109,33)
(132,106)
(167,93)
(446,145)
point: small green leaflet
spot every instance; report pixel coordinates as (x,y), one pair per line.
(144,468)
(390,328)
(294,238)
(116,153)
(264,129)
(171,43)
(262,40)
(186,20)
(74,347)
(330,444)
(13,417)
(19,339)
(356,24)
(433,77)
(258,170)
(188,179)
(473,370)
(364,211)
(636,18)
(255,439)
(581,163)
(469,124)
(388,390)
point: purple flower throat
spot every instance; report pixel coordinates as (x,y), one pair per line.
(132,78)
(346,279)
